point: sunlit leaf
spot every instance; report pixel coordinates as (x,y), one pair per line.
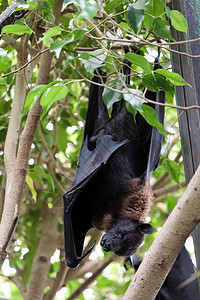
(56,30)
(75,89)
(35,176)
(16,29)
(178,21)
(32,97)
(175,78)
(139,61)
(30,184)
(50,96)
(155,7)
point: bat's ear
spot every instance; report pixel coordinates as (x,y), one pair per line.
(145,228)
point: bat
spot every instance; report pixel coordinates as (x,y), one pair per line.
(111,188)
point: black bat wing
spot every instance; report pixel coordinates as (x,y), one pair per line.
(96,149)
(156,137)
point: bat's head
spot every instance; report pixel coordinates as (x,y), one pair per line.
(125,236)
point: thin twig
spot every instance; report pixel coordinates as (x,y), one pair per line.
(50,154)
(26,64)
(91,279)
(137,95)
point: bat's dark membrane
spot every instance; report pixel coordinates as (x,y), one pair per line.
(111,188)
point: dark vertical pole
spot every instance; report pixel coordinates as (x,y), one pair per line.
(189,68)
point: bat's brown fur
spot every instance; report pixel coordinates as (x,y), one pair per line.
(137,204)
(134,206)
(103,222)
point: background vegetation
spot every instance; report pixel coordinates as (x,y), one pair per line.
(48,58)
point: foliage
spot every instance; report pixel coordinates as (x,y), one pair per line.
(88,36)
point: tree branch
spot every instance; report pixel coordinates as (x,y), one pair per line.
(167,245)
(92,278)
(160,194)
(58,282)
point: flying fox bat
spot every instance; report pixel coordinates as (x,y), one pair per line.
(111,189)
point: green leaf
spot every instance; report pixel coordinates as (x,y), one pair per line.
(174,78)
(16,29)
(53,32)
(135,101)
(112,5)
(32,97)
(140,61)
(148,22)
(61,138)
(45,175)
(173,169)
(75,89)
(52,95)
(155,82)
(47,39)
(89,9)
(3,54)
(78,34)
(30,184)
(178,21)
(155,7)
(35,176)
(162,29)
(150,115)
(57,46)
(4,106)
(130,108)
(140,4)
(135,18)
(109,96)
(171,202)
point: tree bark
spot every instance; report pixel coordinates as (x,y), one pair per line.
(18,167)
(41,263)
(167,245)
